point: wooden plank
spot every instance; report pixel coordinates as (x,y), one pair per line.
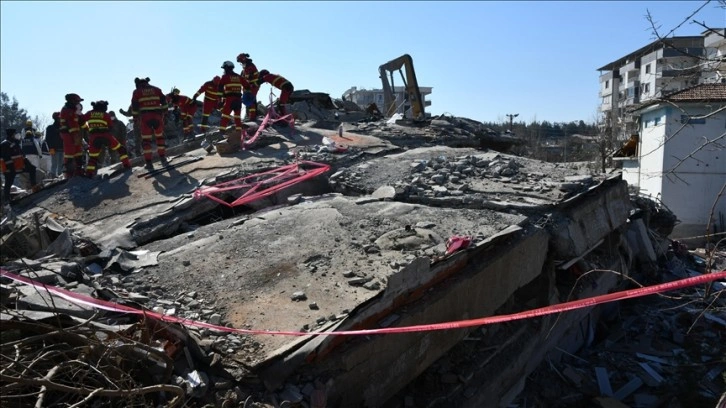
(603,381)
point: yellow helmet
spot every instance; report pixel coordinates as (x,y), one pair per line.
(28,122)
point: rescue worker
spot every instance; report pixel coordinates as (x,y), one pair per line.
(118,131)
(134,120)
(99,129)
(12,162)
(70,130)
(212,95)
(280,83)
(231,85)
(186,107)
(149,104)
(55,145)
(249,96)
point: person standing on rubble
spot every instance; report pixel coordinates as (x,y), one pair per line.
(149,105)
(30,146)
(70,130)
(251,75)
(12,162)
(231,85)
(99,128)
(186,107)
(55,145)
(118,130)
(212,94)
(280,83)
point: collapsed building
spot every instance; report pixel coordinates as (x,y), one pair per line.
(407,226)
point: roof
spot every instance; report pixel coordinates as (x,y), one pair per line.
(715,92)
(655,45)
(699,93)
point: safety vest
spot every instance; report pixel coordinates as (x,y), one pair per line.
(98,122)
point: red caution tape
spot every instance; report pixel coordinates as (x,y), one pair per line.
(85,300)
(259,185)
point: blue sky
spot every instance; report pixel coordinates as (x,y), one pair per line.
(483,59)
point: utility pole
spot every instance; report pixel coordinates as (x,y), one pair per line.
(511,117)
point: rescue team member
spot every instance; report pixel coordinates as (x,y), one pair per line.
(231,86)
(12,162)
(148,103)
(187,108)
(249,96)
(280,83)
(70,130)
(118,130)
(99,129)
(212,95)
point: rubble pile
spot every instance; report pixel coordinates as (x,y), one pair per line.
(329,254)
(657,351)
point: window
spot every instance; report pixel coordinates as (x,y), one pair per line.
(646,89)
(647,69)
(685,119)
(607,84)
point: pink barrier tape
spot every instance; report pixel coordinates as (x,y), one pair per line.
(85,300)
(262,184)
(270,117)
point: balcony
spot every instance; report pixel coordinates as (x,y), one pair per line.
(683,52)
(632,68)
(672,73)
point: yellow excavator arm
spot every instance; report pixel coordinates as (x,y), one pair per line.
(410,84)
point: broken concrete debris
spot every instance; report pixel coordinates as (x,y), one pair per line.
(412,225)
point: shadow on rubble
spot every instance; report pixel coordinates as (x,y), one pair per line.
(91,193)
(174,183)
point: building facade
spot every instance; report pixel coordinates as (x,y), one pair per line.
(649,73)
(364,97)
(681,158)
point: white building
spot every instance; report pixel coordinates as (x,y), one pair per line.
(714,70)
(681,156)
(364,97)
(659,68)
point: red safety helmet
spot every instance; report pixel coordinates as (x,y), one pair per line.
(216,80)
(243,57)
(73,98)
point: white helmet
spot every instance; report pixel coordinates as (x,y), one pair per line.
(228,64)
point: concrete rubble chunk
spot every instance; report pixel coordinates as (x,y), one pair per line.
(385,193)
(298,296)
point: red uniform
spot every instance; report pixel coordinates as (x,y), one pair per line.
(231,86)
(187,108)
(280,83)
(249,99)
(99,129)
(211,100)
(70,130)
(149,103)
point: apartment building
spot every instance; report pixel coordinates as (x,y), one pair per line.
(364,97)
(657,69)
